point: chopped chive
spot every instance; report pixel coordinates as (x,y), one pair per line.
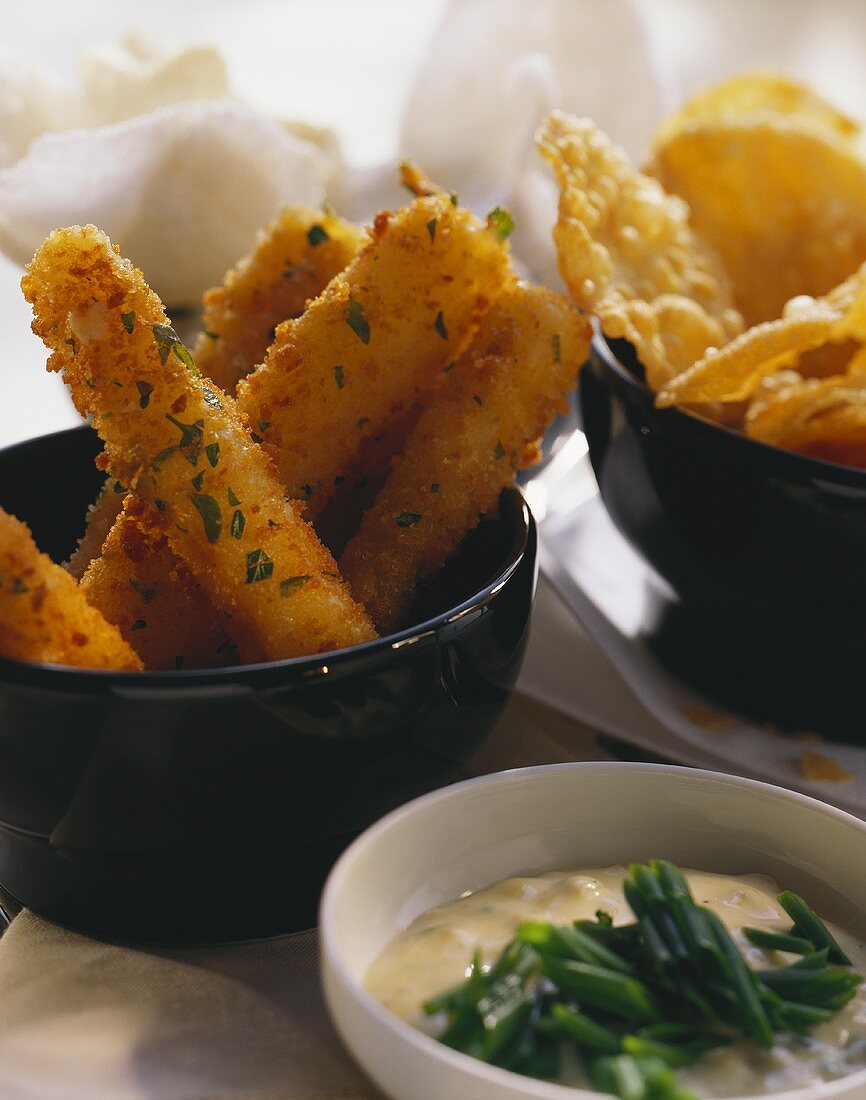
(776,941)
(809,924)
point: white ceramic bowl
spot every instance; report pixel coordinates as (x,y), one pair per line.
(470,835)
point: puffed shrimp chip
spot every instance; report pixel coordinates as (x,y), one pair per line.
(781,199)
(823,417)
(760,91)
(734,372)
(629,256)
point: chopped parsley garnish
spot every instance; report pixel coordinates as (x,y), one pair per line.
(291,583)
(144,390)
(477,399)
(556,347)
(357,322)
(434,488)
(128,320)
(256,438)
(501,222)
(498,450)
(212,450)
(168,341)
(408,519)
(362,421)
(211,514)
(316,234)
(259,566)
(232,498)
(264,425)
(339,377)
(450,367)
(139,624)
(211,335)
(439,325)
(118,488)
(453,197)
(146,594)
(198,481)
(191,438)
(238,524)
(19,587)
(431,228)
(71,342)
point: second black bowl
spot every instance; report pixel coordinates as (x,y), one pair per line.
(764,550)
(202,806)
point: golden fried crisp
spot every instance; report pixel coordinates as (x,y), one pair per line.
(734,372)
(823,417)
(783,201)
(100,519)
(480,428)
(628,255)
(757,93)
(378,338)
(181,446)
(139,584)
(294,259)
(44,617)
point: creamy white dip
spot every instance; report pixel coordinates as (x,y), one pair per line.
(434,952)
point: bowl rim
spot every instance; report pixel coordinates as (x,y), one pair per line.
(331,664)
(685,420)
(425,1045)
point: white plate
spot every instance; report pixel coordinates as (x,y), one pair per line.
(470,835)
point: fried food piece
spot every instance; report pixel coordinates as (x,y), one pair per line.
(100,519)
(755,94)
(139,584)
(294,259)
(628,255)
(465,449)
(782,200)
(181,446)
(44,617)
(733,373)
(822,417)
(378,338)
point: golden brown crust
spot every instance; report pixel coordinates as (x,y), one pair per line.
(44,616)
(481,427)
(182,446)
(294,259)
(375,341)
(140,585)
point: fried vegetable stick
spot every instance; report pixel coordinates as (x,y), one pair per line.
(380,335)
(100,519)
(182,447)
(294,259)
(43,615)
(467,445)
(139,584)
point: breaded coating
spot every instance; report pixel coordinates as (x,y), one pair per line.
(465,449)
(380,336)
(294,259)
(44,617)
(181,446)
(139,584)
(100,519)
(628,255)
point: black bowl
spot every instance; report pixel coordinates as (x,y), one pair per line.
(764,551)
(202,806)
